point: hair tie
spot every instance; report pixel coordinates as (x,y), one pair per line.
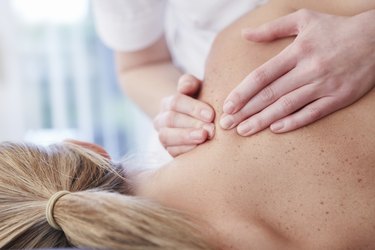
(49,208)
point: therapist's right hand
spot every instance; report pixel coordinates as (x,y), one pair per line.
(184,122)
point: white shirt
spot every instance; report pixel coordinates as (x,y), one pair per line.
(189,26)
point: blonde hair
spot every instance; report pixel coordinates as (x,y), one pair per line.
(96,214)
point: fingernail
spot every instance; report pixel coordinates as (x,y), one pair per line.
(276,127)
(244,129)
(210,128)
(206,115)
(228,107)
(227,122)
(196,135)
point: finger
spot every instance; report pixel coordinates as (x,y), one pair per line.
(189,106)
(180,137)
(281,108)
(188,85)
(259,78)
(171,119)
(210,128)
(178,150)
(289,82)
(309,114)
(285,26)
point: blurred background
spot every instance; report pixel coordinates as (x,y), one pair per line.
(57,79)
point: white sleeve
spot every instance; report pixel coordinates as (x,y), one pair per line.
(129,25)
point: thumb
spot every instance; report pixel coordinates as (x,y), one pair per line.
(282,27)
(188,85)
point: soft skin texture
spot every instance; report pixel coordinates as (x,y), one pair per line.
(330,65)
(312,188)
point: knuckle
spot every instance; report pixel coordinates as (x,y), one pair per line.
(314,113)
(259,76)
(267,94)
(170,118)
(173,102)
(319,66)
(258,123)
(347,93)
(332,86)
(286,105)
(304,47)
(239,96)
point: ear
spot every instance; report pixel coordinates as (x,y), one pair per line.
(91,146)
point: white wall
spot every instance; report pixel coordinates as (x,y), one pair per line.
(11,107)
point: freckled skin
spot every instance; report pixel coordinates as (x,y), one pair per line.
(313,188)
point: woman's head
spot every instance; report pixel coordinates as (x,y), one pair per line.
(97,212)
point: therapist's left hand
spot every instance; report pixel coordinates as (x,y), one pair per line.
(184,122)
(330,65)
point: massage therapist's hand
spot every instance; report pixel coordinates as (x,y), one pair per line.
(330,65)
(184,122)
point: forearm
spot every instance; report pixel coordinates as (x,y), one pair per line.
(147,75)
(148,84)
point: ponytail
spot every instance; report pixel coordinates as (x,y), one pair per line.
(95,211)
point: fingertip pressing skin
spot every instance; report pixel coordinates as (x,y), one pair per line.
(210,128)
(184,121)
(277,89)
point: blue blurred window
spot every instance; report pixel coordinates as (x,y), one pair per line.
(59,78)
